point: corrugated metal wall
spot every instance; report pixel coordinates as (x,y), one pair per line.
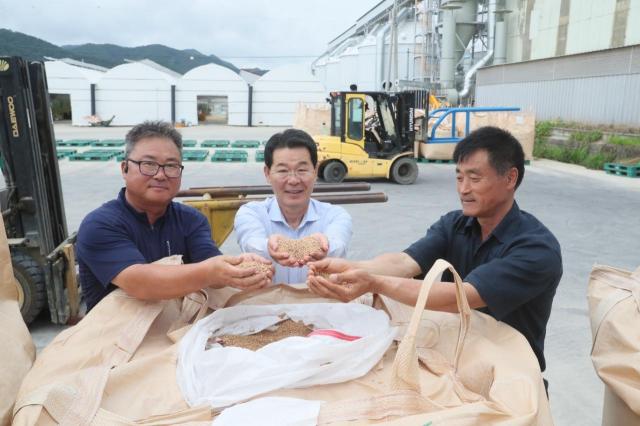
(596,88)
(538,29)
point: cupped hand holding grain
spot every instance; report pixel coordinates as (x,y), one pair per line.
(294,253)
(225,271)
(321,251)
(329,265)
(259,264)
(277,254)
(338,279)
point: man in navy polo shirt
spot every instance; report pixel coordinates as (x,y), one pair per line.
(509,261)
(118,241)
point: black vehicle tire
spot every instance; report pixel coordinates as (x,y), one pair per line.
(404,171)
(31,285)
(334,172)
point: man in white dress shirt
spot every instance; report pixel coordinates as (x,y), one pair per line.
(291,167)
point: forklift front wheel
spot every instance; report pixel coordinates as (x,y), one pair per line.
(31,285)
(404,171)
(334,172)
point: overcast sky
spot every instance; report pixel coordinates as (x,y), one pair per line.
(243,32)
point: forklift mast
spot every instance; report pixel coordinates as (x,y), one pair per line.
(336,99)
(402,105)
(405,114)
(33,207)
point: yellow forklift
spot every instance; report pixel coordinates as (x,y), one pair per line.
(31,201)
(372,136)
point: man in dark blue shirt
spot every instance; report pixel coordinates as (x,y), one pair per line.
(509,261)
(118,242)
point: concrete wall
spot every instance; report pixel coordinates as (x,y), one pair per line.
(596,88)
(212,80)
(76,82)
(134,93)
(539,29)
(277,93)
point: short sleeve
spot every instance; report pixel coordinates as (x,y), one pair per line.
(431,247)
(250,230)
(106,248)
(529,268)
(200,244)
(338,232)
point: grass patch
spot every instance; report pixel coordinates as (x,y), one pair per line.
(597,161)
(544,128)
(587,137)
(542,132)
(624,140)
(577,154)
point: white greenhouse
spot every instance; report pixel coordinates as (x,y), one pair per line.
(277,94)
(133,93)
(74,84)
(209,94)
(212,94)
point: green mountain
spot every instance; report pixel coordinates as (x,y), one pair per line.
(13,43)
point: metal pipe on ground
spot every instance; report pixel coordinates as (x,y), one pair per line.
(226,204)
(371,197)
(221,212)
(228,191)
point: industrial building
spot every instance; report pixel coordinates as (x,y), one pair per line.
(209,94)
(561,59)
(564,59)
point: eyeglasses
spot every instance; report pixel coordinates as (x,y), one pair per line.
(283,174)
(151,168)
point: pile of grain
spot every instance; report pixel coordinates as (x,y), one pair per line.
(253,342)
(298,249)
(326,276)
(260,267)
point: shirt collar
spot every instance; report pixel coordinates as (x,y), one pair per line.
(275,214)
(501,231)
(141,216)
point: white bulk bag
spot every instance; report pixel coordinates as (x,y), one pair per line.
(222,376)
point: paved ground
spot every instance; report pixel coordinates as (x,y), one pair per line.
(591,214)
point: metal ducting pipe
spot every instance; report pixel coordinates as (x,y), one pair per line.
(500,43)
(315,61)
(346,43)
(380,36)
(458,27)
(447,50)
(466,25)
(472,72)
(491,23)
(381,45)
